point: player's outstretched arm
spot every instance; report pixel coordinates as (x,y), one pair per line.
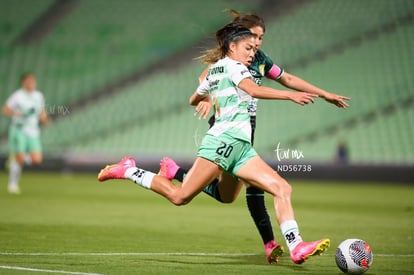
(296,83)
(263,92)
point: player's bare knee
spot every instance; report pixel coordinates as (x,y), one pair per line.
(19,159)
(36,159)
(179,200)
(281,189)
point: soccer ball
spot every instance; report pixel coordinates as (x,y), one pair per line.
(353,256)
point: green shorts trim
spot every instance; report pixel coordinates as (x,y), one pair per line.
(19,142)
(227,152)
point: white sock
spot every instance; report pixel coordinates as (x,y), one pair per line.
(14,173)
(140,176)
(290,231)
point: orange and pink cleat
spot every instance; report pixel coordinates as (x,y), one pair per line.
(304,250)
(117,170)
(273,251)
(168,168)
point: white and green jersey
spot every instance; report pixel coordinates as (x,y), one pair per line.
(30,105)
(230,102)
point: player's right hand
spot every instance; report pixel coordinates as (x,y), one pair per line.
(302,98)
(203,109)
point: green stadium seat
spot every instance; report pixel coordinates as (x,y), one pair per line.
(153,118)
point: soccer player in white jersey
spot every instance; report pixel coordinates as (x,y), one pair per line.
(261,67)
(25,107)
(226,150)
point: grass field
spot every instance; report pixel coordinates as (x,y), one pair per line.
(72,224)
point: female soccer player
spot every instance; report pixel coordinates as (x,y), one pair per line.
(262,66)
(226,146)
(25,107)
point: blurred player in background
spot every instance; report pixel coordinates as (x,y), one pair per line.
(25,107)
(262,66)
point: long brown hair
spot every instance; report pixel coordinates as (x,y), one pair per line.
(247,20)
(240,20)
(231,32)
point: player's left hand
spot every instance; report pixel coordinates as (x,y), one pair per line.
(338,100)
(203,109)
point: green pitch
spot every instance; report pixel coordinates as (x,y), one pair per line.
(72,224)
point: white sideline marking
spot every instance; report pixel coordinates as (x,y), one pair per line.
(158,254)
(127,254)
(45,270)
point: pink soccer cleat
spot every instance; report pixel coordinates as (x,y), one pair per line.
(116,171)
(304,250)
(273,251)
(168,168)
